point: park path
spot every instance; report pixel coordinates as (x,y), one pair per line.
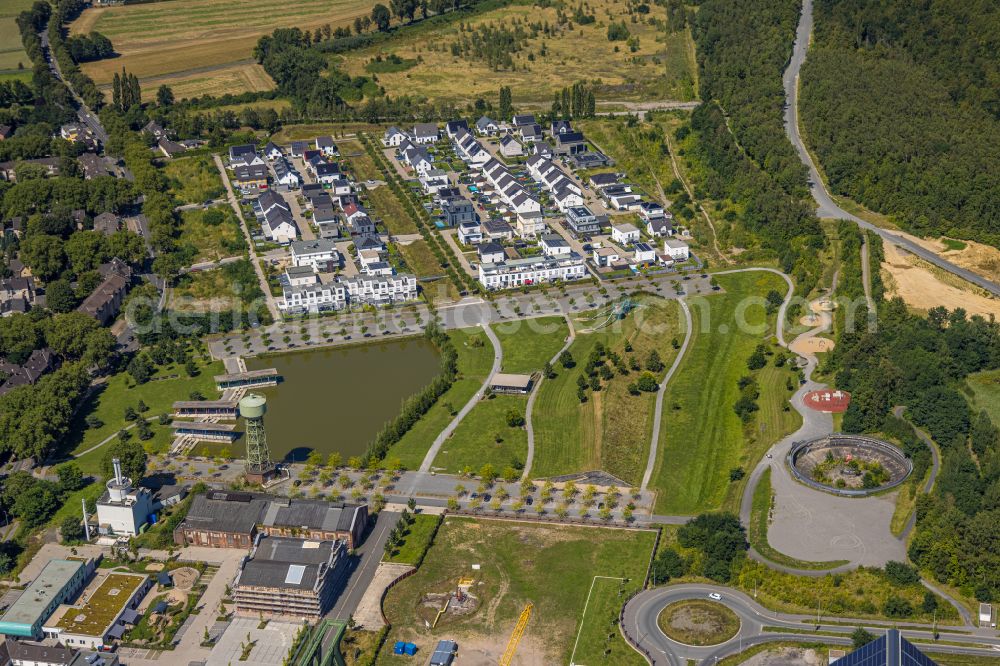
(654,440)
(425,466)
(866,273)
(530,459)
(234,202)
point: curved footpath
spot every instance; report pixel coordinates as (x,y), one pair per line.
(826,206)
(425,466)
(760,625)
(530,458)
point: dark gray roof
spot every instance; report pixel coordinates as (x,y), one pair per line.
(287,563)
(224,515)
(240,512)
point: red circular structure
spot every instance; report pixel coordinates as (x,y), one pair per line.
(829,401)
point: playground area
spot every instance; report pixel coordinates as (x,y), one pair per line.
(605,317)
(812,345)
(827,401)
(484,582)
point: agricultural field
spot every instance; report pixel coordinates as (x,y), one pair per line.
(475,358)
(541,64)
(212,233)
(12,55)
(702,438)
(611,430)
(194,180)
(201,46)
(551,566)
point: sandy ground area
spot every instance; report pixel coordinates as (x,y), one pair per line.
(822,305)
(369,612)
(983,259)
(787,657)
(811,345)
(921,289)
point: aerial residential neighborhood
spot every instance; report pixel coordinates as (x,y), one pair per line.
(498,332)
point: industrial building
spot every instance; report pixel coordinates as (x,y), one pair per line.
(891,649)
(123,509)
(58,582)
(233,520)
(289,577)
(36,654)
(102,613)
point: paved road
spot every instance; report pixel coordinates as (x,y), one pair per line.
(642,611)
(86,116)
(826,206)
(443,436)
(529,409)
(361,570)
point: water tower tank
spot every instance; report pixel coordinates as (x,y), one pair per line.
(253,406)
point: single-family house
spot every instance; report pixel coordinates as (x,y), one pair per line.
(620,197)
(651,210)
(543,149)
(566,198)
(452,128)
(320,254)
(625,233)
(393,137)
(424,133)
(496,229)
(582,220)
(589,159)
(325,145)
(470,233)
(602,180)
(606,256)
(417,158)
(560,127)
(107,223)
(660,228)
(285,174)
(509,147)
(458,211)
(299,147)
(327,173)
(242,152)
(487,126)
(372,262)
(530,133)
(268,201)
(298,276)
(490,253)
(434,180)
(250,177)
(523,119)
(361,225)
(369,242)
(570,143)
(676,249)
(643,253)
(273,151)
(279,226)
(554,245)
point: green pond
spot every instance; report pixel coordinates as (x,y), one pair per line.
(338,399)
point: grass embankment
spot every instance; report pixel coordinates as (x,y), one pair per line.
(109,400)
(702,438)
(475,358)
(193,180)
(211,239)
(985,388)
(551,566)
(416,540)
(760,519)
(486,434)
(611,430)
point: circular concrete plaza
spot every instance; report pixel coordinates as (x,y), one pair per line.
(828,401)
(848,465)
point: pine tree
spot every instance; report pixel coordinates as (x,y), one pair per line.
(506,103)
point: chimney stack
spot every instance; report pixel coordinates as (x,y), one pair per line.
(86,525)
(118,470)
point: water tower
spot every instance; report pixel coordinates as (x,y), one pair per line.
(259,467)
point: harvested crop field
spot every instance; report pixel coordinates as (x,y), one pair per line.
(922,287)
(175,38)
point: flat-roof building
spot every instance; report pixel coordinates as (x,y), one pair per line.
(233,519)
(289,577)
(220,409)
(101,616)
(59,581)
(503,382)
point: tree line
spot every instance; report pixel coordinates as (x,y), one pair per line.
(904,118)
(92,46)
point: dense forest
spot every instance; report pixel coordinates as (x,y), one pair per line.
(743,48)
(899,101)
(921,362)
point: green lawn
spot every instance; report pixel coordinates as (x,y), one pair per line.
(474,442)
(475,358)
(211,242)
(701,437)
(606,600)
(551,566)
(108,403)
(986,392)
(386,206)
(194,179)
(416,540)
(611,431)
(529,344)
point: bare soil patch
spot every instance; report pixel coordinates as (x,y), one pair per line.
(921,288)
(811,345)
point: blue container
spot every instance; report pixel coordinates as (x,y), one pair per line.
(398,647)
(411,649)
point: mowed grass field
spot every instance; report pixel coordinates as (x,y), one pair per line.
(611,431)
(701,437)
(986,392)
(551,566)
(11,51)
(475,358)
(528,344)
(181,39)
(582,53)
